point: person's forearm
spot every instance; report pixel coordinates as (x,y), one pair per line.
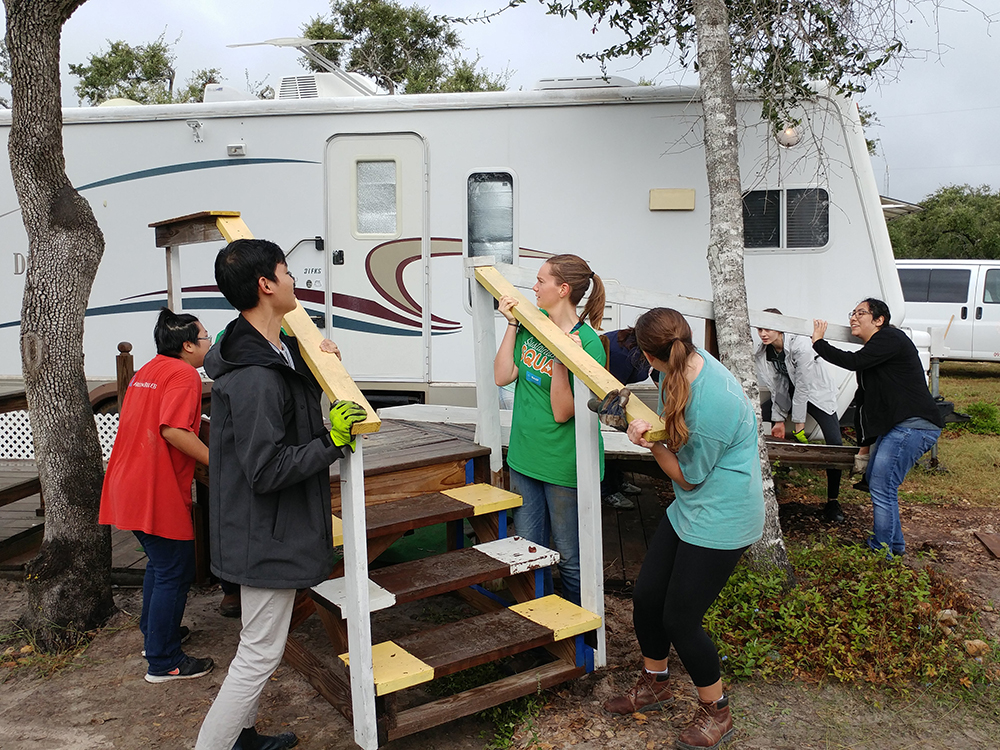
(667,460)
(504,367)
(187,443)
(561,395)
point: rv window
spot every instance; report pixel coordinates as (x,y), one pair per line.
(915,282)
(949,285)
(376,210)
(991,292)
(808,223)
(491,216)
(762,218)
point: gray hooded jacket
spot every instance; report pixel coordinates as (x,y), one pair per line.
(806,372)
(269,459)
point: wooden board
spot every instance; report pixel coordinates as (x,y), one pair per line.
(476,640)
(327,368)
(191,229)
(596,377)
(395,668)
(563,618)
(991,541)
(485,498)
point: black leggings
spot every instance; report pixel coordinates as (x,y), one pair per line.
(830,425)
(677,584)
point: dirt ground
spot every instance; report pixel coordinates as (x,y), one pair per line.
(102,701)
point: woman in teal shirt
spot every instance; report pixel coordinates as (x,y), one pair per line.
(542,450)
(711,455)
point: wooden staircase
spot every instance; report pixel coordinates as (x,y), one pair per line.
(499,632)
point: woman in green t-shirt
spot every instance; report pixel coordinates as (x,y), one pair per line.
(711,455)
(542,450)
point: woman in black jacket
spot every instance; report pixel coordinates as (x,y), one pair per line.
(898,416)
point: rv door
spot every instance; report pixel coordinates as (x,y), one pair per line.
(986,329)
(378,247)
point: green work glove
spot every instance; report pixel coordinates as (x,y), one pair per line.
(343,416)
(801,436)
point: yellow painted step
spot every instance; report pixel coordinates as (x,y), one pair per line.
(484,498)
(395,668)
(563,618)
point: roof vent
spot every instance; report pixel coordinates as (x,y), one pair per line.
(324,86)
(583,82)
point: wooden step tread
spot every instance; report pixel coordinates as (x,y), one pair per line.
(421,657)
(432,508)
(419,579)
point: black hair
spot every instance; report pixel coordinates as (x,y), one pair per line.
(172,330)
(878,309)
(240,265)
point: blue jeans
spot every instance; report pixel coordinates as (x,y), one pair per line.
(169,572)
(893,455)
(550,510)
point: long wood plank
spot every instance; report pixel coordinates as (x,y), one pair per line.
(478,699)
(13,493)
(597,378)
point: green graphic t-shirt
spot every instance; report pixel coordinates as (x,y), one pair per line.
(540,447)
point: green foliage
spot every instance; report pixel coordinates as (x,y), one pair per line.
(985,419)
(404,49)
(852,617)
(144,73)
(958,221)
(778,46)
(194,87)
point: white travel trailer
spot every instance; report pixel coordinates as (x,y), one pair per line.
(379,198)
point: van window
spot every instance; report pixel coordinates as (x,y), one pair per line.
(935,284)
(790,219)
(991,290)
(377,206)
(491,216)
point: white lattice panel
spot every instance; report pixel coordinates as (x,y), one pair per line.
(15,435)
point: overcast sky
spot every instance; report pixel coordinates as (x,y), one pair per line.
(939,116)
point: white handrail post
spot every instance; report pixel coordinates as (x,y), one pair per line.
(588,488)
(485,343)
(359,625)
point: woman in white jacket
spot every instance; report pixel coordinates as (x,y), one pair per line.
(799,384)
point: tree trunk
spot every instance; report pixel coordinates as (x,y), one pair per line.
(725,247)
(69,582)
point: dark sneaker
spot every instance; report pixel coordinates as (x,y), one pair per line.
(188,669)
(630,489)
(183,631)
(832,512)
(648,693)
(712,726)
(230,606)
(862,486)
(618,501)
(250,740)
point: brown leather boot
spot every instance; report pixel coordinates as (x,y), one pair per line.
(648,693)
(712,726)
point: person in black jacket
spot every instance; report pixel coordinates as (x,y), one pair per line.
(269,480)
(897,415)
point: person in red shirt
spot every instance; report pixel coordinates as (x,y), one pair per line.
(147,486)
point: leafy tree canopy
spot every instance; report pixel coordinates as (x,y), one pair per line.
(958,221)
(144,73)
(778,46)
(404,49)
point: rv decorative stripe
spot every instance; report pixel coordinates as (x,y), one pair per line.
(189,167)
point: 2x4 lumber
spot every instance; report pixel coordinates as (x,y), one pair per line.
(327,368)
(19,491)
(480,698)
(232,227)
(567,351)
(812,455)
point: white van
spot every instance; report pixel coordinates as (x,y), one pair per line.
(960,296)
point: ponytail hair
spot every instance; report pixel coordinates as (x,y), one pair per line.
(663,333)
(172,330)
(574,271)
